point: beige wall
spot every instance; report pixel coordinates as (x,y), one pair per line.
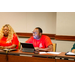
(64,46)
(16,20)
(65,23)
(45,20)
(27,21)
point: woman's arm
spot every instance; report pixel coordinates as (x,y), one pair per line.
(12,46)
(8,47)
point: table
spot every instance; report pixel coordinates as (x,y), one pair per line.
(65,58)
(19,56)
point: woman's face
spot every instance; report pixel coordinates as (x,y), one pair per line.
(6,31)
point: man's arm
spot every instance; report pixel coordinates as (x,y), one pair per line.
(48,49)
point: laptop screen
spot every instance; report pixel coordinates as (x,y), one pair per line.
(27,45)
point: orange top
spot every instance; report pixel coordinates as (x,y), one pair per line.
(4,42)
(43,42)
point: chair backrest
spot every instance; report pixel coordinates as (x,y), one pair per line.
(19,45)
(54,47)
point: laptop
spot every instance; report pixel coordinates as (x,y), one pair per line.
(27,47)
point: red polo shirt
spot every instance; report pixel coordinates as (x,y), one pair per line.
(43,42)
(4,42)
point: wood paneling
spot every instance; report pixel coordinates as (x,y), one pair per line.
(52,36)
(30,34)
(12,58)
(3,58)
(61,60)
(66,38)
(24,34)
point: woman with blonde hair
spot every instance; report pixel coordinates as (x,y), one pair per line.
(8,38)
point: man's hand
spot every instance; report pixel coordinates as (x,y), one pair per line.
(37,48)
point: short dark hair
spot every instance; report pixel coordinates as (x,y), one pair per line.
(40,30)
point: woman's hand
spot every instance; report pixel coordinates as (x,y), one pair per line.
(1,47)
(73,50)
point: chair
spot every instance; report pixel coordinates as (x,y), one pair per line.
(54,47)
(19,45)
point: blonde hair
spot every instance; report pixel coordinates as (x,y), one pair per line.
(10,34)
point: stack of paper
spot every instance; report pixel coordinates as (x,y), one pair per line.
(49,52)
(54,52)
(42,52)
(70,53)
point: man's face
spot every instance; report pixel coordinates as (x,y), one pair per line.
(36,34)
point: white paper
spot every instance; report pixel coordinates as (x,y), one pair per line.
(49,52)
(43,53)
(54,52)
(70,53)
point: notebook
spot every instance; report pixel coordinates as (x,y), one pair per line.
(27,47)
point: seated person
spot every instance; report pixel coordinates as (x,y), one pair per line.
(73,48)
(39,41)
(8,38)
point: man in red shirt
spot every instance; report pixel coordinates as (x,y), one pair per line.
(39,41)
